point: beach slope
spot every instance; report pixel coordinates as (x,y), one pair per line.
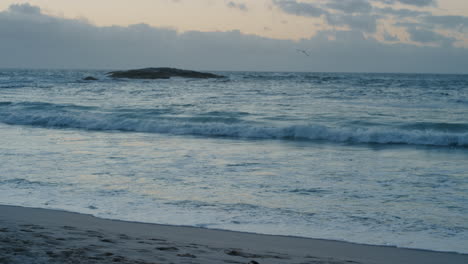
(29,235)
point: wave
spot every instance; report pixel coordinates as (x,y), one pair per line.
(18,86)
(89,118)
(437,126)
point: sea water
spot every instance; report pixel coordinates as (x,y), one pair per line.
(369,158)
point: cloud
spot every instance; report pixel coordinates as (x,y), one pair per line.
(363,16)
(351,13)
(36,40)
(300,9)
(350,6)
(24,9)
(240,6)
(365,23)
(401,13)
(428,36)
(418,3)
(448,22)
(390,37)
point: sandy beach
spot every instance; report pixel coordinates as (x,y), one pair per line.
(29,235)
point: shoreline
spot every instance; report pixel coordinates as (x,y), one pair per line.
(53,236)
(229,230)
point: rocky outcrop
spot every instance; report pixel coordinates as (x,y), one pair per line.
(161,73)
(90,78)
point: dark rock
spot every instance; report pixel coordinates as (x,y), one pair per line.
(167,248)
(187,255)
(90,78)
(161,73)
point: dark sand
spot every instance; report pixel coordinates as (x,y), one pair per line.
(30,235)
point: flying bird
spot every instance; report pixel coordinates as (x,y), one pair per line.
(303,51)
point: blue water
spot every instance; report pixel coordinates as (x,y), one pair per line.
(370,158)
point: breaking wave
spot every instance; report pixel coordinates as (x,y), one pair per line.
(79,117)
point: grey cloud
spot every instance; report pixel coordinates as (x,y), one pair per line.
(390,37)
(406,24)
(350,6)
(419,3)
(240,6)
(366,23)
(40,41)
(428,36)
(402,13)
(24,9)
(361,15)
(424,33)
(300,9)
(352,13)
(449,22)
(351,49)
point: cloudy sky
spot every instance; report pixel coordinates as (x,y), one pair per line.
(264,35)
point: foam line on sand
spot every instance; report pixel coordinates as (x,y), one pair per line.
(30,235)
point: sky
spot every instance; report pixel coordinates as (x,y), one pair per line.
(426,36)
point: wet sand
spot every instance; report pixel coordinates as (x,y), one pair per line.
(29,235)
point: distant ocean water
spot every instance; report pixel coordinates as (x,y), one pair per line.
(370,158)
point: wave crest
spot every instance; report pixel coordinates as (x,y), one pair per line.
(66,117)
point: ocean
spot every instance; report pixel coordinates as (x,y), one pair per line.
(377,159)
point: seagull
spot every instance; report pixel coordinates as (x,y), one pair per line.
(303,51)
